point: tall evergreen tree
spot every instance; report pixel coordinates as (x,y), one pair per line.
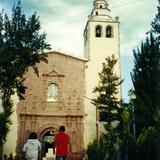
(108,90)
(109,104)
(21,46)
(146,81)
(156,30)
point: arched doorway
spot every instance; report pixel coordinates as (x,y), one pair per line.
(47,142)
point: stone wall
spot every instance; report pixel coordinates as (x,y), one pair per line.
(37,114)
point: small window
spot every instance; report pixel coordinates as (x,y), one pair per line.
(96,13)
(109,32)
(98,31)
(53,91)
(100,6)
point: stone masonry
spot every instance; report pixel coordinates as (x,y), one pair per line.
(37,114)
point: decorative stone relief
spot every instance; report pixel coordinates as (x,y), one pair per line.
(74,93)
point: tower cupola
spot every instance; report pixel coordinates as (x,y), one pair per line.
(100,4)
(100,11)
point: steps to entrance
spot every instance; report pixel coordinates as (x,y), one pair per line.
(49,155)
(49,158)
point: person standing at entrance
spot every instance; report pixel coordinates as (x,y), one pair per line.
(32,147)
(62,145)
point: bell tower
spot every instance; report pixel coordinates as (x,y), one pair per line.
(101,39)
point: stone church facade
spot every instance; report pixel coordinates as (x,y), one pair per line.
(54,98)
(62,93)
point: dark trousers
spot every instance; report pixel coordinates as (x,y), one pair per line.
(61,158)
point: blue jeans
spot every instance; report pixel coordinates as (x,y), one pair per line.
(61,158)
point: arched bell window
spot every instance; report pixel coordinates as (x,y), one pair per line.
(109,31)
(52,92)
(98,31)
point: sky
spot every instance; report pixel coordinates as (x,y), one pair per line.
(64,21)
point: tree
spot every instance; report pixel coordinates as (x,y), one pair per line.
(108,90)
(21,46)
(156,30)
(146,77)
(108,102)
(91,150)
(156,22)
(146,81)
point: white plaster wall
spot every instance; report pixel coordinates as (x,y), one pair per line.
(98,49)
(10,145)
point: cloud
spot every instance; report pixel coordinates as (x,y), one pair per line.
(65,30)
(2,6)
(64,21)
(62,36)
(135,21)
(132,40)
(58,8)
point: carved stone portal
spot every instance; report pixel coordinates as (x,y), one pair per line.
(39,114)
